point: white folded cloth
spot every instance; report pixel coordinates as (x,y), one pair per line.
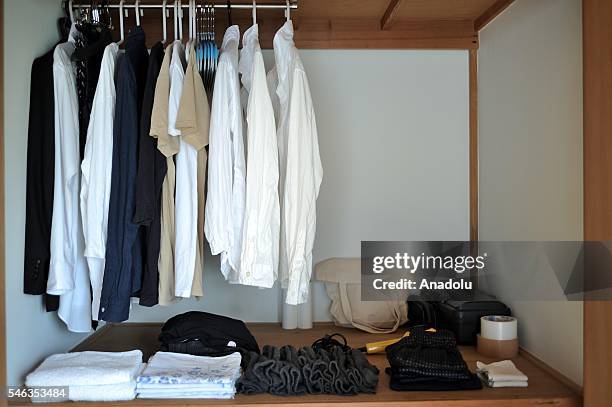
(186,387)
(166,368)
(501,374)
(86,369)
(105,392)
(185,395)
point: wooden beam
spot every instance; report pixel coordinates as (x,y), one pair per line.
(490,13)
(387,18)
(597,128)
(473,68)
(3,364)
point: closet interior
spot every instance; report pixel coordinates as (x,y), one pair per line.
(395,153)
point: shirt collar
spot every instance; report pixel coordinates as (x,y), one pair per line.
(135,38)
(231,38)
(284,49)
(250,46)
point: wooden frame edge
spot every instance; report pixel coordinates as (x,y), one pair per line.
(473,144)
(3,351)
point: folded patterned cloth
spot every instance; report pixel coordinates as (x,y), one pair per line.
(176,368)
(185,395)
(501,374)
(429,360)
(86,369)
(428,353)
(186,387)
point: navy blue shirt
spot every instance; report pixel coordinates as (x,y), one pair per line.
(149,179)
(123,270)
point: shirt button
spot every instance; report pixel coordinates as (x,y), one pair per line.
(102,309)
(248,274)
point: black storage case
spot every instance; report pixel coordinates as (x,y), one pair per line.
(463,317)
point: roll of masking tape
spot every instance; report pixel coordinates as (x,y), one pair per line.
(498,328)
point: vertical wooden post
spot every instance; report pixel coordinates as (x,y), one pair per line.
(3,366)
(597,118)
(473,61)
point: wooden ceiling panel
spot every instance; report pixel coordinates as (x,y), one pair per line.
(446,24)
(410,10)
(341,9)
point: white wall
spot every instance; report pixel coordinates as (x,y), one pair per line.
(393,135)
(29,31)
(530,146)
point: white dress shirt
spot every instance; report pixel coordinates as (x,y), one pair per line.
(259,258)
(300,168)
(226,166)
(186,204)
(68,274)
(96,168)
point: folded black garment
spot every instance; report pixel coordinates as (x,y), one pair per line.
(286,371)
(428,353)
(429,384)
(204,334)
(429,361)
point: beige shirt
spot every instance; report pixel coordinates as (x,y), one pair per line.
(165,263)
(168,146)
(193,121)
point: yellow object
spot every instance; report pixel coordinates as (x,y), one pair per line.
(379,347)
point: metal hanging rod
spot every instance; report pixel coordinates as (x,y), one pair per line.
(293,6)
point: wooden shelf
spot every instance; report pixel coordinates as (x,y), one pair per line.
(543,388)
(355,24)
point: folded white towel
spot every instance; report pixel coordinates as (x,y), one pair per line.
(179,368)
(503,371)
(489,383)
(86,368)
(105,392)
(508,384)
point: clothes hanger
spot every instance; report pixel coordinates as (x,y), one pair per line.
(71,11)
(137,12)
(165,28)
(121,28)
(229,13)
(98,35)
(254,12)
(64,23)
(189,18)
(288,11)
(175,19)
(180,20)
(215,50)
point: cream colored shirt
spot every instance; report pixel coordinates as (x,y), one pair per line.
(192,121)
(168,146)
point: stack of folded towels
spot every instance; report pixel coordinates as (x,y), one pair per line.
(177,375)
(501,374)
(90,376)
